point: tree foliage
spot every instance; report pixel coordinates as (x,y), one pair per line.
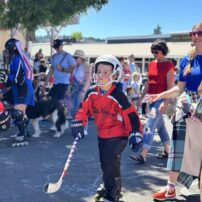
(2,9)
(30,14)
(77,36)
(157,30)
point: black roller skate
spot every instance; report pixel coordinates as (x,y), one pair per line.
(20,141)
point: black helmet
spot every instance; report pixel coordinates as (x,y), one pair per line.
(10,45)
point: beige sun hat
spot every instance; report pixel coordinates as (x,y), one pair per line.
(79,54)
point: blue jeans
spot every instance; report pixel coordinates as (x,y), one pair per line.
(75,94)
(155,120)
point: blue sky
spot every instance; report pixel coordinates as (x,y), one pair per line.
(137,17)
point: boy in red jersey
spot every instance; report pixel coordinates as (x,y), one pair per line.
(116,120)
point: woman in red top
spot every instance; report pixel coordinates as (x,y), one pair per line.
(160,78)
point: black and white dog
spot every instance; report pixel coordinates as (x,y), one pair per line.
(43,109)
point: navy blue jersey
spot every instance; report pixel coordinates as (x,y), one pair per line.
(22,89)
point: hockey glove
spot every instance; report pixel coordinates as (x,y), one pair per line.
(77,129)
(3,76)
(135,141)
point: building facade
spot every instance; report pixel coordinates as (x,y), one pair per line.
(179,44)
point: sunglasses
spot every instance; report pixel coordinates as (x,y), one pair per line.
(155,52)
(199,33)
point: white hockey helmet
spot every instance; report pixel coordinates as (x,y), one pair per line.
(117,67)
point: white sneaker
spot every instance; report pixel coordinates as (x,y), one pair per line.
(85,132)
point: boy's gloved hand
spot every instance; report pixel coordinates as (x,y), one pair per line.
(135,141)
(77,129)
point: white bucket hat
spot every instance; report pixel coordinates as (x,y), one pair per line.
(79,54)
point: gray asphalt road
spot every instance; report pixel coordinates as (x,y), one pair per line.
(24,171)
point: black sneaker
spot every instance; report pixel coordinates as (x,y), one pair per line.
(108,200)
(20,141)
(99,198)
(101,193)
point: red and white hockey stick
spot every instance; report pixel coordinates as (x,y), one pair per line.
(53,187)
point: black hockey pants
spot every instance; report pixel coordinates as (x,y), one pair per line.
(110,155)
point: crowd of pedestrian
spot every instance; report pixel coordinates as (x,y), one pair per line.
(117,94)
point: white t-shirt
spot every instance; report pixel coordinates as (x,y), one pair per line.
(135,88)
(79,73)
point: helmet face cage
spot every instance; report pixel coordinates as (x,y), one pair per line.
(10,49)
(6,58)
(10,45)
(116,65)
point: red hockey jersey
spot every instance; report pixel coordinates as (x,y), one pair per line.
(113,114)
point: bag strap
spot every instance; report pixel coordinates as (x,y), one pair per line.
(63,58)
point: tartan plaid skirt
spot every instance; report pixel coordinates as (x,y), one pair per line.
(178,140)
(177,146)
(176,153)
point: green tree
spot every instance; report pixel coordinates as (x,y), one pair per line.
(77,36)
(49,14)
(157,30)
(2,10)
(31,14)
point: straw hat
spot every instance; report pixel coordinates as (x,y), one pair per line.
(79,54)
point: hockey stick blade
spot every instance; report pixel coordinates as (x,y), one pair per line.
(54,187)
(50,188)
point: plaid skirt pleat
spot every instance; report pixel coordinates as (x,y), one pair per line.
(194,96)
(185,179)
(177,146)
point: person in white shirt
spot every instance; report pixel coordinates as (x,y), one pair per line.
(131,59)
(135,89)
(81,81)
